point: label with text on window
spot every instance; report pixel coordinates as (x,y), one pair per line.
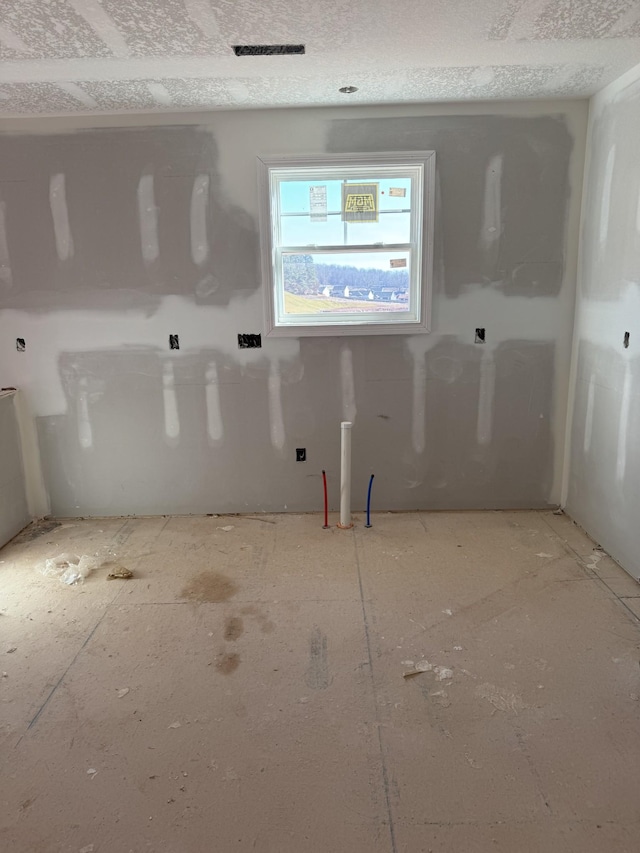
(360,202)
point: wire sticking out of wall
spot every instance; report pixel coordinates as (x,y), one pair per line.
(368,524)
(325,526)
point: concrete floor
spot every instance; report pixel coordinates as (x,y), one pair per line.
(245,691)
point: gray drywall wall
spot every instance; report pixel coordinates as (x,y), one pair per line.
(14,514)
(604,474)
(115,237)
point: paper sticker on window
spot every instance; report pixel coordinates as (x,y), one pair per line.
(398,262)
(318,203)
(398,192)
(360,202)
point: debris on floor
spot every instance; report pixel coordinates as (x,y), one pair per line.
(227,527)
(119,572)
(442,673)
(418,668)
(122,693)
(55,566)
(501,698)
(72,569)
(69,568)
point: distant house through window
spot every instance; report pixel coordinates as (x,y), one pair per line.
(347,243)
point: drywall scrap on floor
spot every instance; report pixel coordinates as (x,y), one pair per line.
(147,270)
(604,481)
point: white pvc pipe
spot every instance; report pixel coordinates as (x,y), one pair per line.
(345,474)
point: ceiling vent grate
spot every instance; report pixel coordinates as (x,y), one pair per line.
(267,49)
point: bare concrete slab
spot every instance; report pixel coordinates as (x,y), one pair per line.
(445,681)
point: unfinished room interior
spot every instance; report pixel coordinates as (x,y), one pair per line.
(321,542)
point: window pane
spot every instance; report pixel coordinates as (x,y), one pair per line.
(345,283)
(312,212)
(391,228)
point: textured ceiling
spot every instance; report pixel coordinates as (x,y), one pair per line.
(74,56)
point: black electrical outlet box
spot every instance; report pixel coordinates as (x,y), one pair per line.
(249,341)
(301,454)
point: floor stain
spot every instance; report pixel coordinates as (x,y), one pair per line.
(501,698)
(211,587)
(233,628)
(317,677)
(33,531)
(227,663)
(266,625)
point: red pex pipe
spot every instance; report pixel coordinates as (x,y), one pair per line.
(326,501)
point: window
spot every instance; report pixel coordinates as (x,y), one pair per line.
(347,243)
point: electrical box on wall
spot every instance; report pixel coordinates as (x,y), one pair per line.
(249,341)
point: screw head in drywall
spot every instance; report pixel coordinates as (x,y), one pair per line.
(348,90)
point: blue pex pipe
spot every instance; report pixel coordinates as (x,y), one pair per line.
(368,524)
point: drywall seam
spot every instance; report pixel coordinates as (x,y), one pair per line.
(60,216)
(170,400)
(623,425)
(273,117)
(82,331)
(203,16)
(9,39)
(605,201)
(103,25)
(37,497)
(199,232)
(486,395)
(215,426)
(148,217)
(492,208)
(276,417)
(575,343)
(613,90)
(5,261)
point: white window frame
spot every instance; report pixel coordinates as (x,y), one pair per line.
(421,255)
